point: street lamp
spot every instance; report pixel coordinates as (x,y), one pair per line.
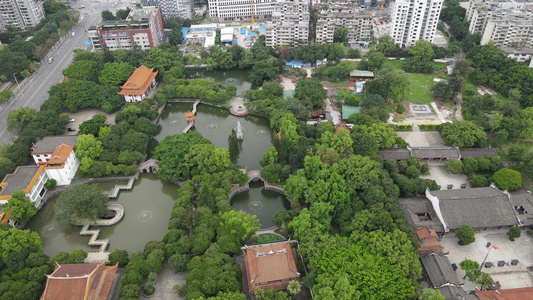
(15,78)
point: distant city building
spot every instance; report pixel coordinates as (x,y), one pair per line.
(144,28)
(22,14)
(520,54)
(202,34)
(414,20)
(289,25)
(149,3)
(358,22)
(176,8)
(507,23)
(240,10)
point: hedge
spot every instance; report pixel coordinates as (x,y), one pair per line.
(403,127)
(429,127)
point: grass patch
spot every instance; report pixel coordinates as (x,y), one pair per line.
(421,84)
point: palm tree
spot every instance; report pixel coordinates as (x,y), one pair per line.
(294,288)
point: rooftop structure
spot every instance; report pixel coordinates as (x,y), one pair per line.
(139,84)
(203,34)
(289,25)
(43,149)
(143,28)
(176,8)
(347,111)
(270,266)
(506,294)
(479,208)
(429,241)
(22,14)
(442,276)
(521,54)
(226,35)
(80,281)
(414,20)
(436,153)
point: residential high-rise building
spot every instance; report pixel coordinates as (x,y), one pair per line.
(414,20)
(240,10)
(144,29)
(359,25)
(22,14)
(289,25)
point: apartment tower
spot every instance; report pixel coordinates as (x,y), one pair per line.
(22,14)
(414,20)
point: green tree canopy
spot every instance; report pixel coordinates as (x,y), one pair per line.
(465,235)
(463,134)
(81,69)
(115,73)
(20,207)
(19,118)
(311,91)
(88,146)
(507,179)
(20,242)
(79,203)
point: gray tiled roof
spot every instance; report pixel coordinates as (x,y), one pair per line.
(448,152)
(19,180)
(439,270)
(477,152)
(416,205)
(396,154)
(49,143)
(476,207)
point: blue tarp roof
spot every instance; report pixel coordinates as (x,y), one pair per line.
(297,62)
(243,31)
(184,31)
(262,27)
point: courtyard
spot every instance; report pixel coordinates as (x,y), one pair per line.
(443,177)
(510,276)
(422,139)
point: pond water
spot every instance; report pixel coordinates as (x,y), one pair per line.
(148,205)
(238,78)
(147,211)
(215,124)
(260,202)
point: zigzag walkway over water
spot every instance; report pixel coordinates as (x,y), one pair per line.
(194,112)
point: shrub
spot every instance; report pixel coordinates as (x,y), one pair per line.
(403,127)
(399,108)
(429,127)
(119,256)
(178,262)
(424,169)
(148,290)
(50,184)
(514,233)
(479,181)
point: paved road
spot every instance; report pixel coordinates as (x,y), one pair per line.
(35,91)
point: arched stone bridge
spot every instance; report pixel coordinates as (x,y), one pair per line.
(149,166)
(254,174)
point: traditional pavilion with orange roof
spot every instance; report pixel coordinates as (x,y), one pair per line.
(270,266)
(429,241)
(139,84)
(80,281)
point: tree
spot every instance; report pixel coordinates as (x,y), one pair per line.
(341,35)
(394,84)
(93,125)
(311,91)
(375,61)
(463,134)
(233,146)
(353,53)
(431,294)
(441,90)
(80,203)
(237,225)
(175,37)
(373,100)
(16,241)
(465,235)
(119,256)
(20,207)
(78,256)
(6,166)
(88,146)
(81,69)
(422,56)
(263,70)
(122,14)
(507,179)
(471,268)
(20,118)
(294,288)
(387,46)
(107,15)
(514,233)
(115,73)
(5,96)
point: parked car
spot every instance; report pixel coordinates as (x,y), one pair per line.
(71,129)
(50,60)
(71,120)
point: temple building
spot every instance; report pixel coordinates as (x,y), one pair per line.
(140,83)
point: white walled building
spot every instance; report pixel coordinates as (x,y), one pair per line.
(43,149)
(240,10)
(414,20)
(20,13)
(289,25)
(29,179)
(63,164)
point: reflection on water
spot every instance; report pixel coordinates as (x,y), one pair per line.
(239,78)
(260,202)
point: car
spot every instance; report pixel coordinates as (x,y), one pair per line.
(73,33)
(71,120)
(71,129)
(50,60)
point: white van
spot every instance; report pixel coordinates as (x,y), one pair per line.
(73,33)
(50,60)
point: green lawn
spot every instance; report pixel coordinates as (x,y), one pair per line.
(421,84)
